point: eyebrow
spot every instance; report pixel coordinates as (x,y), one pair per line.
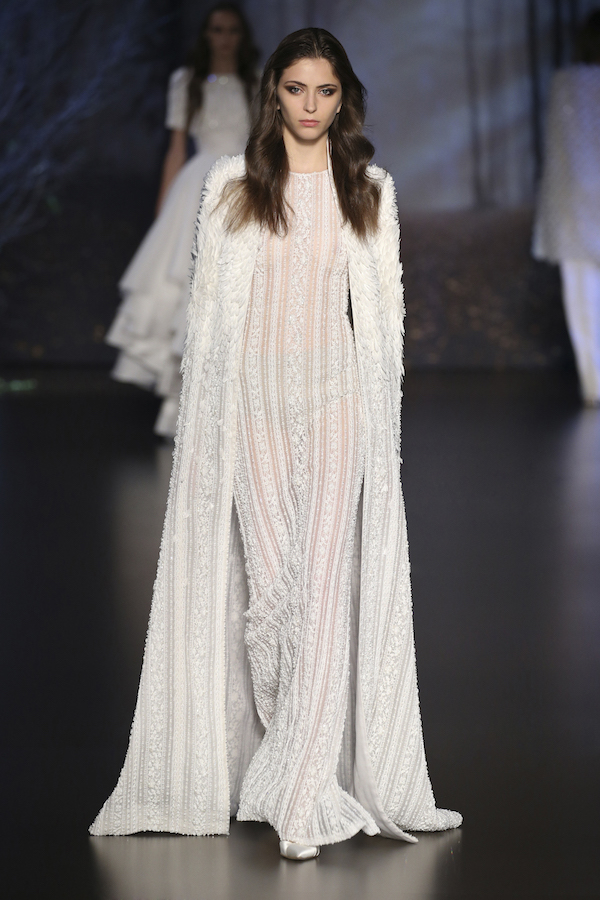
(301,84)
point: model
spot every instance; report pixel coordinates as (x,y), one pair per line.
(285,691)
(210,102)
(567,227)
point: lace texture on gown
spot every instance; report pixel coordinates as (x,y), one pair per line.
(198,751)
(298,477)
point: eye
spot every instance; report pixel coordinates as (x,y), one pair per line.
(328,92)
(293,89)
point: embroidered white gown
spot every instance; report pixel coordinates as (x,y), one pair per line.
(149,327)
(329,663)
(299,469)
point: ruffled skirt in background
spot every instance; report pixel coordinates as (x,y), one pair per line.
(149,328)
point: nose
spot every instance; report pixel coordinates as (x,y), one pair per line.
(310,101)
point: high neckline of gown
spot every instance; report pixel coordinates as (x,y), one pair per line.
(308,174)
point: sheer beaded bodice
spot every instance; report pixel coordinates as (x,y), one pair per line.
(298,336)
(298,476)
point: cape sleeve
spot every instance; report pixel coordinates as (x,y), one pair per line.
(204,270)
(387,253)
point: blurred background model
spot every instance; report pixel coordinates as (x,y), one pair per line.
(567,227)
(209,101)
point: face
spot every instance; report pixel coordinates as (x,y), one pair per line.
(224,33)
(309,96)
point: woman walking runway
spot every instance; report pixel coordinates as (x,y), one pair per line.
(285,690)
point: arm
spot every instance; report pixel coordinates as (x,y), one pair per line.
(174,161)
(387,250)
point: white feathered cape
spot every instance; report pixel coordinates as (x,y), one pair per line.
(195,728)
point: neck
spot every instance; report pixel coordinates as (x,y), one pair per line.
(305,156)
(223,65)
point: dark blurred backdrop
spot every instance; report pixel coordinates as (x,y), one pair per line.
(457,92)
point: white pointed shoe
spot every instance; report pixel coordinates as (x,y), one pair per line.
(298,852)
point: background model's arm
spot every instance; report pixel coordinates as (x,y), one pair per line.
(174,161)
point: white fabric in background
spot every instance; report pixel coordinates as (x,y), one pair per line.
(223,120)
(149,327)
(567,222)
(581,298)
(567,225)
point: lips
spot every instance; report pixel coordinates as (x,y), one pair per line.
(309,123)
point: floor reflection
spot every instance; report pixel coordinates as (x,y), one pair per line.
(138,497)
(502,479)
(247,864)
(577,620)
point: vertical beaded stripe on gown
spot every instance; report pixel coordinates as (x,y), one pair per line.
(299,470)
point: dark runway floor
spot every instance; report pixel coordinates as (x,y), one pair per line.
(502,480)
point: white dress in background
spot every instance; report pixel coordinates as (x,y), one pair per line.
(149,327)
(567,226)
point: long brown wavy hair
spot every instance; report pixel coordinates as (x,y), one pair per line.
(199,60)
(259,195)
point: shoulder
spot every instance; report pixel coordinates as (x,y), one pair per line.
(388,207)
(562,81)
(179,81)
(385,182)
(578,77)
(377,173)
(226,168)
(576,72)
(179,78)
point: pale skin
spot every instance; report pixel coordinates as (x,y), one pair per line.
(224,33)
(309,96)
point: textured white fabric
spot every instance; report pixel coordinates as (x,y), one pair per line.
(179,774)
(223,118)
(567,224)
(581,297)
(299,470)
(149,327)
